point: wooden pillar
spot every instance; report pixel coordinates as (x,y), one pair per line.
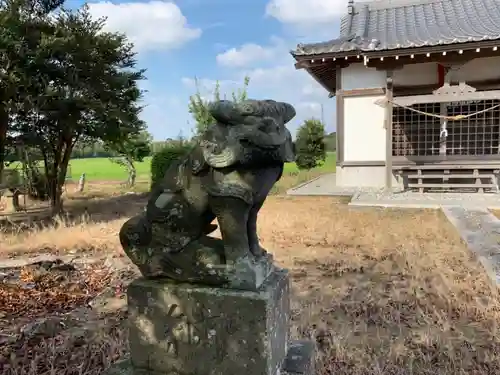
(340,118)
(388,131)
(444,112)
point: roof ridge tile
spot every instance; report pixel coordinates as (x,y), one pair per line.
(422,23)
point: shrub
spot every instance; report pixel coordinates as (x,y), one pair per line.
(310,146)
(162,159)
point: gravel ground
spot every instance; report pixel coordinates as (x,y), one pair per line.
(325,185)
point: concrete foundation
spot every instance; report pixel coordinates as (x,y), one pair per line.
(363,176)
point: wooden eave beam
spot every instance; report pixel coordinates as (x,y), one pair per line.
(311,63)
(443,98)
(358,55)
(450,58)
(487,84)
(331,93)
(395,59)
(325,80)
(302,64)
(484,44)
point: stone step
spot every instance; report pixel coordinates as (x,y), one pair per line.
(446,185)
(494,167)
(480,229)
(444,175)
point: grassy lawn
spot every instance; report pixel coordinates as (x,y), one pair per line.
(102,169)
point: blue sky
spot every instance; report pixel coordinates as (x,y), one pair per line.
(223,40)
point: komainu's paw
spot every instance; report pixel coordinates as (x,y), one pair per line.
(258,251)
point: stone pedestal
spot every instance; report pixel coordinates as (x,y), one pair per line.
(186,329)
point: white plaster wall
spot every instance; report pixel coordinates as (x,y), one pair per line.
(416,74)
(427,73)
(479,69)
(364,133)
(358,76)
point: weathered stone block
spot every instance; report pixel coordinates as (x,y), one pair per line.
(248,274)
(179,329)
(300,359)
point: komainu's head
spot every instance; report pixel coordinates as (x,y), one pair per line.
(250,132)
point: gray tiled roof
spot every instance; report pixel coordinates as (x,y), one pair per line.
(393,24)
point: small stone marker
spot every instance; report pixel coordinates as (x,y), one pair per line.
(81,183)
(208,306)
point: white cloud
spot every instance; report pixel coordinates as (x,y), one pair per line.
(245,55)
(301,12)
(206,87)
(150,25)
(313,106)
(189,82)
(315,110)
(282,83)
(312,88)
(250,54)
(275,79)
(285,83)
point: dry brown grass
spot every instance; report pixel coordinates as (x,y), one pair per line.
(71,352)
(380,291)
(387,292)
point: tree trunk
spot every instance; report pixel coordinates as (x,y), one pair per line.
(4,125)
(132,178)
(15,200)
(57,176)
(55,195)
(132,173)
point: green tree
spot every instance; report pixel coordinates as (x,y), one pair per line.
(89,85)
(129,150)
(309,144)
(198,106)
(22,23)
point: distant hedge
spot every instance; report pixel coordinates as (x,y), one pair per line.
(163,158)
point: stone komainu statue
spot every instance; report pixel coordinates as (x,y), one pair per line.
(226,176)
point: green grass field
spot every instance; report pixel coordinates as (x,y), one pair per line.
(103,169)
(327,167)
